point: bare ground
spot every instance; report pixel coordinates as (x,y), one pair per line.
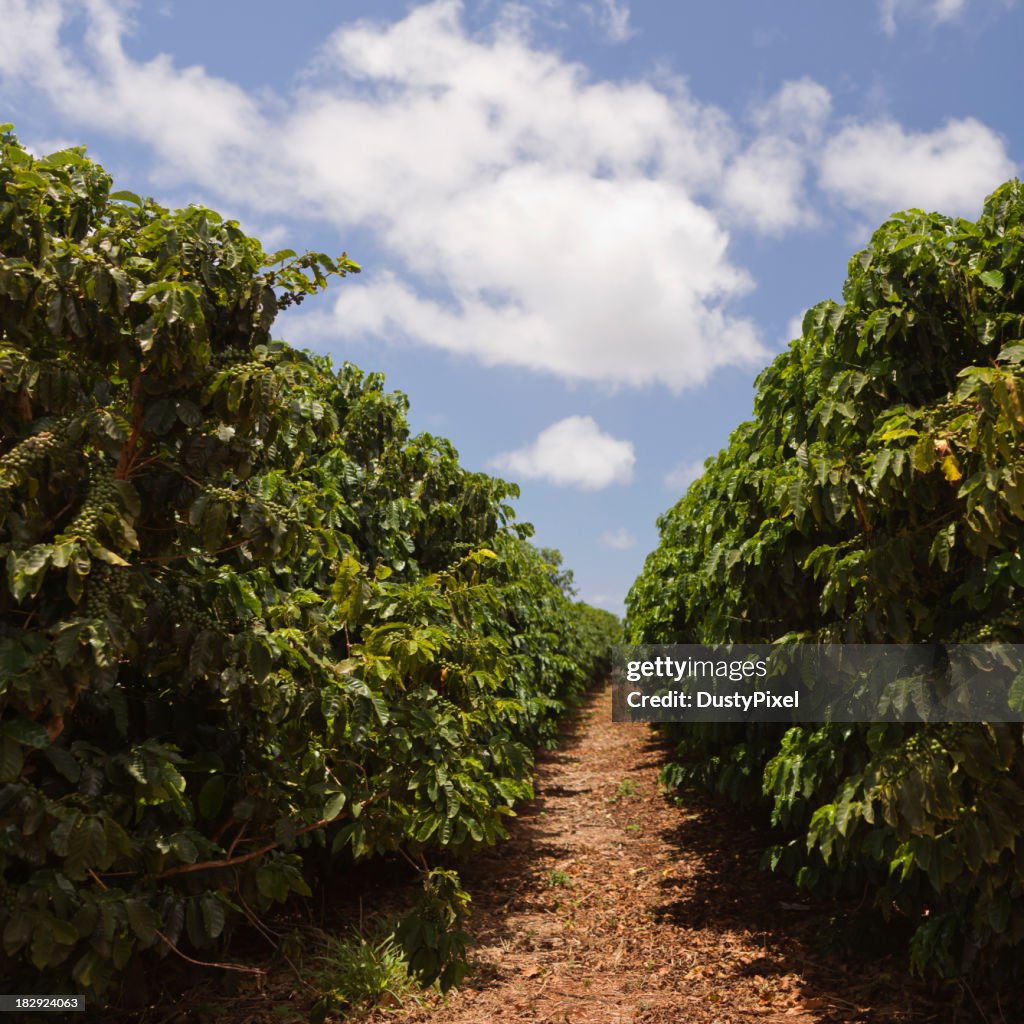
(614,903)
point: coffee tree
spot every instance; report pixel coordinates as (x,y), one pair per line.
(244,613)
(878,497)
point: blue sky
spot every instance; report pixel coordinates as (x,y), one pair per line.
(584,226)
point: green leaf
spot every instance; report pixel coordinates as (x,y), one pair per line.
(87,847)
(160,416)
(65,763)
(17,932)
(184,849)
(923,456)
(32,734)
(334,806)
(143,919)
(215,521)
(123,196)
(942,545)
(25,573)
(211,797)
(43,944)
(880,465)
(189,413)
(1012,353)
(214,917)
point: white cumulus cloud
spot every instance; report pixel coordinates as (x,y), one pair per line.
(798,110)
(574,452)
(528,214)
(196,125)
(764,186)
(880,167)
(533,216)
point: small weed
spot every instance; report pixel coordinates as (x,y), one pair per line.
(357,972)
(557,877)
(626,788)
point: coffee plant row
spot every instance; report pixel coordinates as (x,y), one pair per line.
(245,617)
(876,497)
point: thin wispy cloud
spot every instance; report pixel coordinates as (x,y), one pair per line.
(936,12)
(618,540)
(612,16)
(794,328)
(682,474)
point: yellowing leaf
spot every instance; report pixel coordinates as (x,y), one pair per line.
(897,433)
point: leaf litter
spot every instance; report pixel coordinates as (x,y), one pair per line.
(662,914)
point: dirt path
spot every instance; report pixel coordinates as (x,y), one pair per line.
(610,904)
